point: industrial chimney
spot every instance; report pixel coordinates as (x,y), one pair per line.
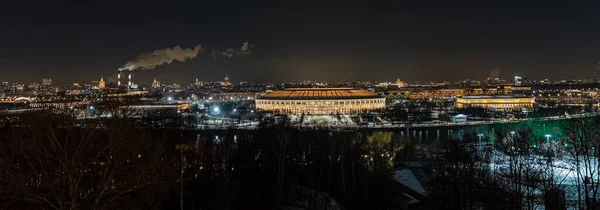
(119,78)
(129,78)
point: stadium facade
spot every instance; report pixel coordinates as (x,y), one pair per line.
(320,101)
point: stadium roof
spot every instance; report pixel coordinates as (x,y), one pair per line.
(319,94)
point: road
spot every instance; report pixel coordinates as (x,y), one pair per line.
(254,125)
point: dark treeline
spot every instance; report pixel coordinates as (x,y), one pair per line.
(56,161)
(280,166)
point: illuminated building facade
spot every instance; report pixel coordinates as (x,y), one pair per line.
(226,81)
(436,94)
(517,81)
(101,83)
(47,81)
(155,84)
(495,102)
(320,101)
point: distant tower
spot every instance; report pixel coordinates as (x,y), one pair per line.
(226,81)
(101,84)
(399,83)
(155,84)
(198,83)
(47,81)
(517,81)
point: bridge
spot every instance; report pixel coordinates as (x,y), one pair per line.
(23,99)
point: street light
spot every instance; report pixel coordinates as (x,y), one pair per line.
(548,140)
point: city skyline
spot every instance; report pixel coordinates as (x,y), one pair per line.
(113,80)
(299,105)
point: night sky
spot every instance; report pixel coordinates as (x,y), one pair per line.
(420,40)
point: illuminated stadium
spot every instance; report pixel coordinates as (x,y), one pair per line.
(320,101)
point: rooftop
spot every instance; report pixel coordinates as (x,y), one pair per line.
(494,96)
(319,94)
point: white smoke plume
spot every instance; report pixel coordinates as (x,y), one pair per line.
(245,49)
(229,53)
(164,56)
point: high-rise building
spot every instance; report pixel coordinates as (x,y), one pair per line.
(517,81)
(198,83)
(101,83)
(155,84)
(47,81)
(226,81)
(400,83)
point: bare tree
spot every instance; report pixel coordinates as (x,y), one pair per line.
(54,161)
(280,146)
(521,177)
(380,151)
(582,137)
